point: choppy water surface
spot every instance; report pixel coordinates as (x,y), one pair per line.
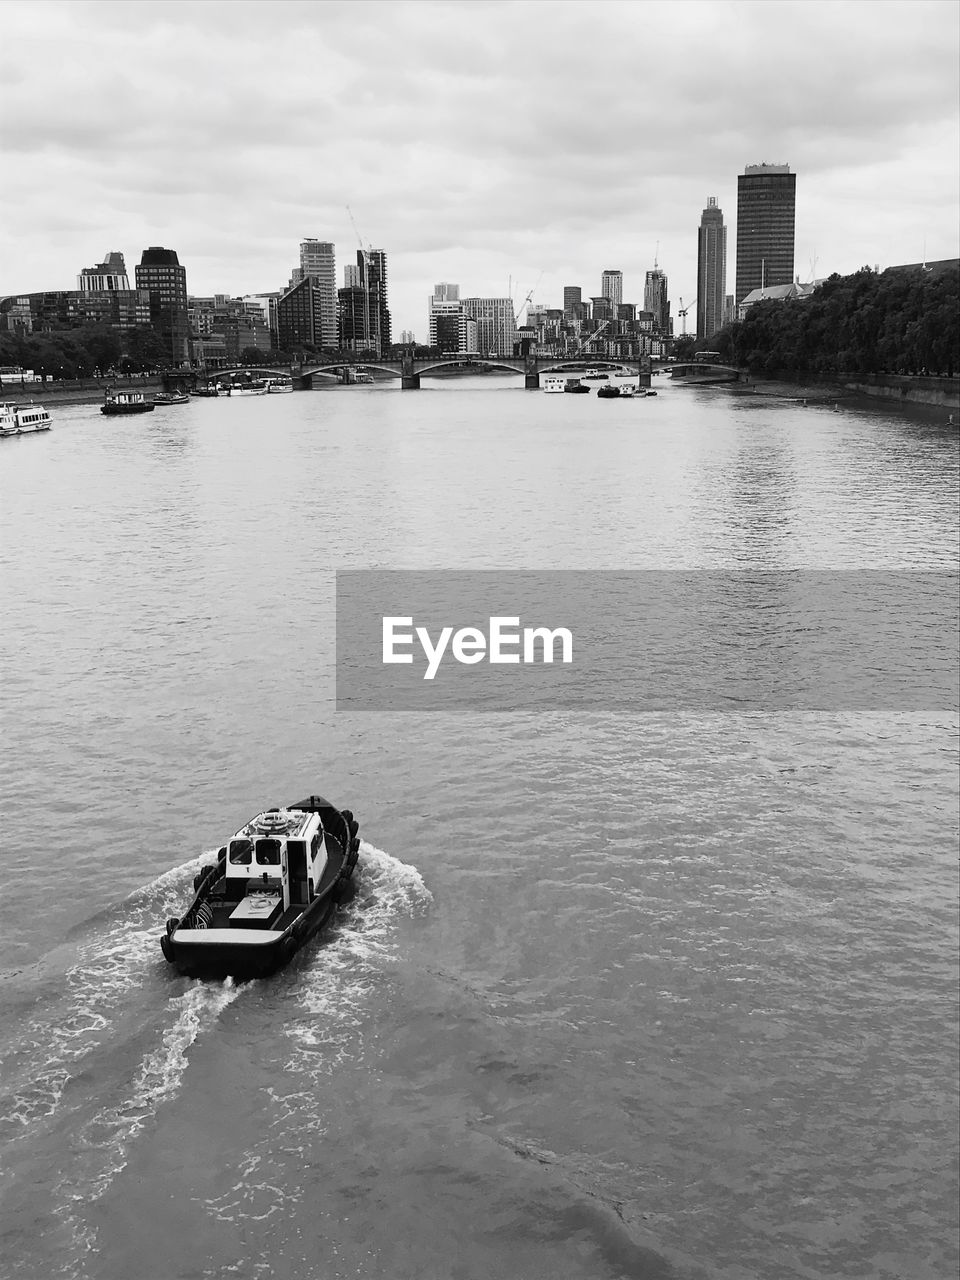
(663,996)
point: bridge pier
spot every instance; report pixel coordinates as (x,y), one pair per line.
(303,382)
(531,374)
(409,378)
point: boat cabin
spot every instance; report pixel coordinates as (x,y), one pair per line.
(280,854)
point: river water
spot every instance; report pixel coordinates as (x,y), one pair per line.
(622,995)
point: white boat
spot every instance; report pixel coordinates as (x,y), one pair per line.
(274,885)
(21,419)
(248,389)
(362,375)
(554,383)
(279,386)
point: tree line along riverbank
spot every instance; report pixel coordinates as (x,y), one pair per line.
(888,332)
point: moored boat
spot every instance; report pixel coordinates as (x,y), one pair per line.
(22,419)
(254,388)
(171,397)
(279,386)
(553,382)
(205,391)
(575,387)
(274,886)
(608,393)
(119,402)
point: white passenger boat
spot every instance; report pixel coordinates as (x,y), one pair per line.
(21,419)
(274,885)
(553,383)
(255,388)
(279,386)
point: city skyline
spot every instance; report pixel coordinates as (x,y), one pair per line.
(471,161)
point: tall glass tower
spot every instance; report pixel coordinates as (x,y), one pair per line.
(711,270)
(766,216)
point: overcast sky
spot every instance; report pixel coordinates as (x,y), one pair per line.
(478,141)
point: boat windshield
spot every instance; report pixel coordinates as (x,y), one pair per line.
(241,851)
(268,853)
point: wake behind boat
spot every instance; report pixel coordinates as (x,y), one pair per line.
(274,885)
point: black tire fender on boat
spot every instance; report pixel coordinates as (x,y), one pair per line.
(166,946)
(355,844)
(172,923)
(288,948)
(344,891)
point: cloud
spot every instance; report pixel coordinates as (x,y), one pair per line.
(472,141)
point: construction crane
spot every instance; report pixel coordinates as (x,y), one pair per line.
(591,337)
(682,313)
(365,249)
(528,298)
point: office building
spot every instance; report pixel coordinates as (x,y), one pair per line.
(496,330)
(766,216)
(572,299)
(301,317)
(165,280)
(611,287)
(711,270)
(443,318)
(109,276)
(318,263)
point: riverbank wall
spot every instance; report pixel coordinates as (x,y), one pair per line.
(918,390)
(75,391)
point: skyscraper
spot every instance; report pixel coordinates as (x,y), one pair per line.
(711,270)
(161,274)
(572,297)
(611,286)
(318,262)
(656,301)
(363,314)
(376,284)
(766,216)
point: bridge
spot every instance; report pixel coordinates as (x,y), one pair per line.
(409,369)
(698,372)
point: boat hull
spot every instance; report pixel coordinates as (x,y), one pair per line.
(245,959)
